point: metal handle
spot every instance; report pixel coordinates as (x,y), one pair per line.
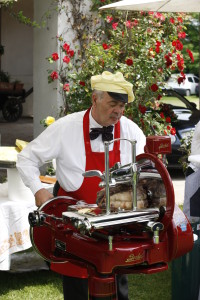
(133,172)
(155,227)
(93,173)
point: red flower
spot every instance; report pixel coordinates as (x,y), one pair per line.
(174,43)
(106,47)
(66,47)
(129,62)
(168,119)
(129,24)
(181,78)
(109,19)
(55,56)
(159,97)
(168,60)
(182,74)
(54,75)
(179,28)
(135,22)
(154,87)
(66,87)
(168,63)
(179,45)
(66,59)
(114,25)
(157,49)
(171,20)
(82,83)
(180,64)
(181,35)
(71,53)
(190,54)
(142,109)
(162,115)
(160,16)
(173,131)
(180,20)
(158,43)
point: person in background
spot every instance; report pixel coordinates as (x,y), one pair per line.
(192,181)
(76,142)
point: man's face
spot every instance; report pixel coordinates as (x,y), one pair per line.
(107,111)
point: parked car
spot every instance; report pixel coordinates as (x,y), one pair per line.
(187,87)
(187,117)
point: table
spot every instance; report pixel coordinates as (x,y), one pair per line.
(16,201)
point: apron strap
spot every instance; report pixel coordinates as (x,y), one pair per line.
(86,129)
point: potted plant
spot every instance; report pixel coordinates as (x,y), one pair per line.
(18,86)
(5,84)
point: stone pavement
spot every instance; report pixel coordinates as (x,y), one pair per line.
(27,261)
(179,188)
(22,129)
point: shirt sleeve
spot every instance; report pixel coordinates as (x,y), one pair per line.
(134,132)
(39,151)
(195,146)
(130,131)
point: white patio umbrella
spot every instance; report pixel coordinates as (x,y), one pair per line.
(156,5)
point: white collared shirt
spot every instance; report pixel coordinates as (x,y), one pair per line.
(64,141)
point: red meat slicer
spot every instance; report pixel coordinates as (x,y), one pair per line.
(122,241)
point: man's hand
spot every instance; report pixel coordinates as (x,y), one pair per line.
(42,196)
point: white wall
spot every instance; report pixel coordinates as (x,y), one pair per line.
(45,95)
(26,50)
(18,41)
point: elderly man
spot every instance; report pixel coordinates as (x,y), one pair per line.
(76,141)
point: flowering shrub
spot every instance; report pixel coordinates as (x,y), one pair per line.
(145,46)
(65,66)
(185,148)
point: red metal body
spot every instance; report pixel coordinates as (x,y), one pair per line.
(158,144)
(127,249)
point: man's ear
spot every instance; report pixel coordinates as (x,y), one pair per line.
(94,98)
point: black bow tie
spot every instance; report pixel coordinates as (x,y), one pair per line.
(106,132)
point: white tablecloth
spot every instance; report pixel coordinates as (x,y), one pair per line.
(16,201)
(14,228)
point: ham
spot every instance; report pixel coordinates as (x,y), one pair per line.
(151,193)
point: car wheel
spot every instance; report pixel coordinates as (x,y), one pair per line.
(188,92)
